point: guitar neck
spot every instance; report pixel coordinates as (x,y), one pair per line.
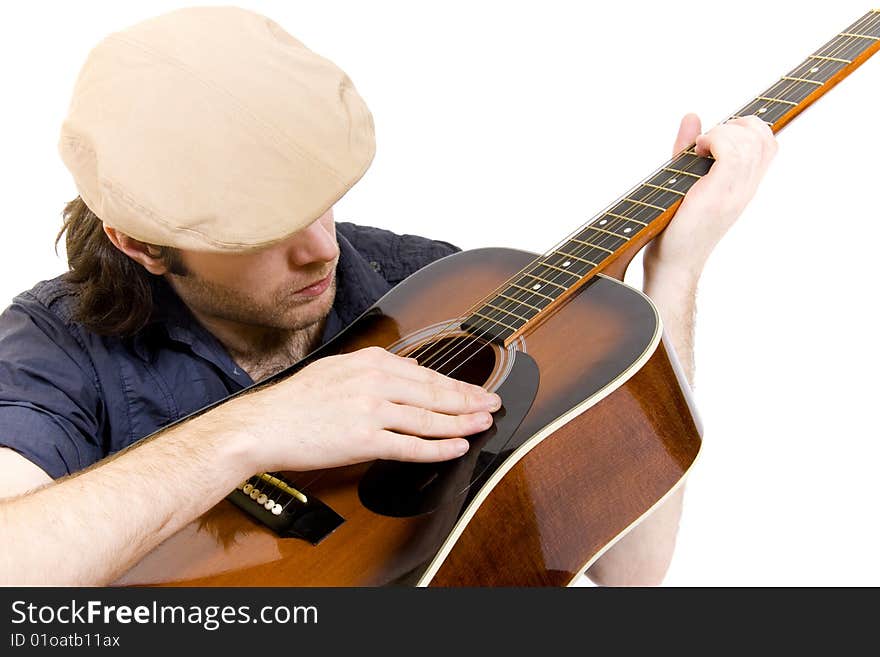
(610,239)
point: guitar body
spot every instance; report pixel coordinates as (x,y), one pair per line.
(598,428)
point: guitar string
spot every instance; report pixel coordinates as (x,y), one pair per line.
(604,240)
(872,19)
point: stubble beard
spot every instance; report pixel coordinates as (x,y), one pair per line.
(282,314)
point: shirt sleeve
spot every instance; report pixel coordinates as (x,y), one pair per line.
(49,400)
(395,256)
(415,252)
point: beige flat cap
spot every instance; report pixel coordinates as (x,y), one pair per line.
(212,129)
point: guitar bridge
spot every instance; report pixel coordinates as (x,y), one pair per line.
(290,513)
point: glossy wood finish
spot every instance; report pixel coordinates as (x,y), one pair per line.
(577,491)
(566,499)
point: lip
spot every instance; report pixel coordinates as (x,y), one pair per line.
(315,289)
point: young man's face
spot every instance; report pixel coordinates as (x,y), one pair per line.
(263,288)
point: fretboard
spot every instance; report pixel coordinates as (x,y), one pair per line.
(533,294)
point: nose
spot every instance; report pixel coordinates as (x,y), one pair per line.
(314,243)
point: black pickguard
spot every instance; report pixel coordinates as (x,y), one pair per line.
(399,489)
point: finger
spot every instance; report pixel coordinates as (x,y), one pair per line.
(724,142)
(422,422)
(765,135)
(440,398)
(409,368)
(745,136)
(752,122)
(402,447)
(762,132)
(740,154)
(688,131)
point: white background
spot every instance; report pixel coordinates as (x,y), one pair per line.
(509,124)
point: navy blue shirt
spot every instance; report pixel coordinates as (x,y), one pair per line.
(70,397)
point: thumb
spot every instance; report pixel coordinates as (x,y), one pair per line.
(688,132)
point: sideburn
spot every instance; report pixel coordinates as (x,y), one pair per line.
(173,260)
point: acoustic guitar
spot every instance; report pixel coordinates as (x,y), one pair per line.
(597,425)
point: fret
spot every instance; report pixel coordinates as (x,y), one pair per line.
(647,205)
(496,321)
(786,77)
(620,216)
(653,197)
(831,59)
(595,246)
(844,48)
(860,36)
(818,69)
(682,173)
(623,237)
(597,255)
(690,161)
(776,100)
(602,240)
(673,183)
(625,225)
(569,255)
(524,319)
(568,272)
(791,90)
(572,271)
(663,189)
(522,303)
(561,287)
(487,328)
(531,291)
(768,113)
(569,265)
(633,211)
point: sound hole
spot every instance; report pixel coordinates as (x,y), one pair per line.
(461,357)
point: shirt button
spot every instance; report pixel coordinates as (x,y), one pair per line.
(375,265)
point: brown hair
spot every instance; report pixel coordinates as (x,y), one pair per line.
(114,293)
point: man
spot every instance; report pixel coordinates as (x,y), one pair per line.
(205,256)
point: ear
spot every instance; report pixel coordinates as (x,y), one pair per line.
(145,254)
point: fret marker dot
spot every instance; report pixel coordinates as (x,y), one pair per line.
(603,222)
(536,286)
(627,230)
(672,181)
(762,110)
(566,263)
(815,69)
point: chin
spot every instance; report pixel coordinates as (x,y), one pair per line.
(302,317)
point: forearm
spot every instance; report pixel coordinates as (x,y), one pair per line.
(642,557)
(674,292)
(111,515)
(742,149)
